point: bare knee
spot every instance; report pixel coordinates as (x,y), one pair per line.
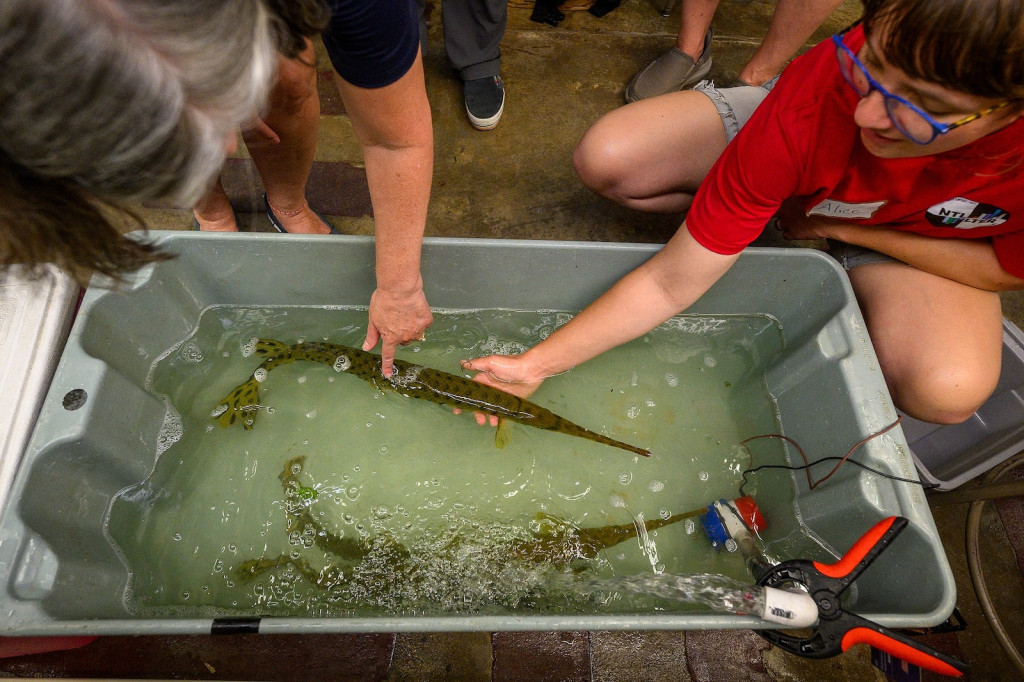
(601,163)
(295,84)
(949,395)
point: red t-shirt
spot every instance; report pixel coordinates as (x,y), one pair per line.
(802,142)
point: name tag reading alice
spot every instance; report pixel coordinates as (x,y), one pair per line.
(840,209)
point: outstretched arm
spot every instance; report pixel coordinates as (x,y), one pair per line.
(672,280)
(393,125)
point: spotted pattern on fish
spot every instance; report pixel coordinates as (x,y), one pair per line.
(410,380)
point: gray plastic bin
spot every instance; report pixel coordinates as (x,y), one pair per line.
(951,455)
(35,316)
(61,576)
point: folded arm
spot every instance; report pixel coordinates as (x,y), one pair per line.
(969,261)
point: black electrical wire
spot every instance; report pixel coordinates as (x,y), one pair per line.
(802,467)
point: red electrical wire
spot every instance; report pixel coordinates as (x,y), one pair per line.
(807,464)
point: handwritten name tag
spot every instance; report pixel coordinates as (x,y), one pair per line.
(841,209)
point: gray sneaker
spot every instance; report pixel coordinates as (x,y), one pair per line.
(672,71)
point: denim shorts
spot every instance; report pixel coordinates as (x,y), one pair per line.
(850,255)
(735,105)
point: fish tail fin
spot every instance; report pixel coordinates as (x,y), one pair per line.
(239,405)
(503,434)
(270,347)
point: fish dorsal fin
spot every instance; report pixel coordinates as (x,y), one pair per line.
(549,525)
(502,435)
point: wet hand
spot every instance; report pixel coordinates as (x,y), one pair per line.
(396,320)
(509,373)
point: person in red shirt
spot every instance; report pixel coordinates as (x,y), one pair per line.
(899,141)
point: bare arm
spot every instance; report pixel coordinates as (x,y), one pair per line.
(393,125)
(671,281)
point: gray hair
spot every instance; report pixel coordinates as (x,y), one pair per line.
(130,100)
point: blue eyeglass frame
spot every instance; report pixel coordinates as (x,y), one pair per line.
(937,128)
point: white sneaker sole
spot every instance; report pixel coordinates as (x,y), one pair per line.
(486,123)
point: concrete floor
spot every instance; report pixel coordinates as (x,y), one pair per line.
(517,182)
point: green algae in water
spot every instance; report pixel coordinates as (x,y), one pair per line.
(390,472)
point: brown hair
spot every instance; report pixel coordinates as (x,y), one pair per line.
(53,220)
(973,46)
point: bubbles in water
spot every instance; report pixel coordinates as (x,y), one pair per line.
(634,380)
(176,537)
(170,431)
(617,500)
(633,411)
(656,487)
(191,352)
(690,526)
(665,514)
(703,475)
(219,410)
(710,361)
(494,346)
(302,379)
(260,375)
(342,363)
(671,379)
(311,414)
(249,347)
(730,545)
(626,477)
(649,401)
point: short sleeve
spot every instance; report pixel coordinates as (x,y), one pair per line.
(372,43)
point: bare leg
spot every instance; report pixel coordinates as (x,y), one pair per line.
(651,155)
(939,342)
(214,211)
(696,20)
(284,165)
(792,25)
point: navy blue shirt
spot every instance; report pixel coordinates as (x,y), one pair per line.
(372,43)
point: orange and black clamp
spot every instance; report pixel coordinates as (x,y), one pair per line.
(838,630)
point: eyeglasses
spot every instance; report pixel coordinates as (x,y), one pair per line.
(908,118)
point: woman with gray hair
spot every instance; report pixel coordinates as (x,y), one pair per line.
(105,103)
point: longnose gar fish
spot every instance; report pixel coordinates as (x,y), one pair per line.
(561,538)
(410,380)
(302,522)
(556,542)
